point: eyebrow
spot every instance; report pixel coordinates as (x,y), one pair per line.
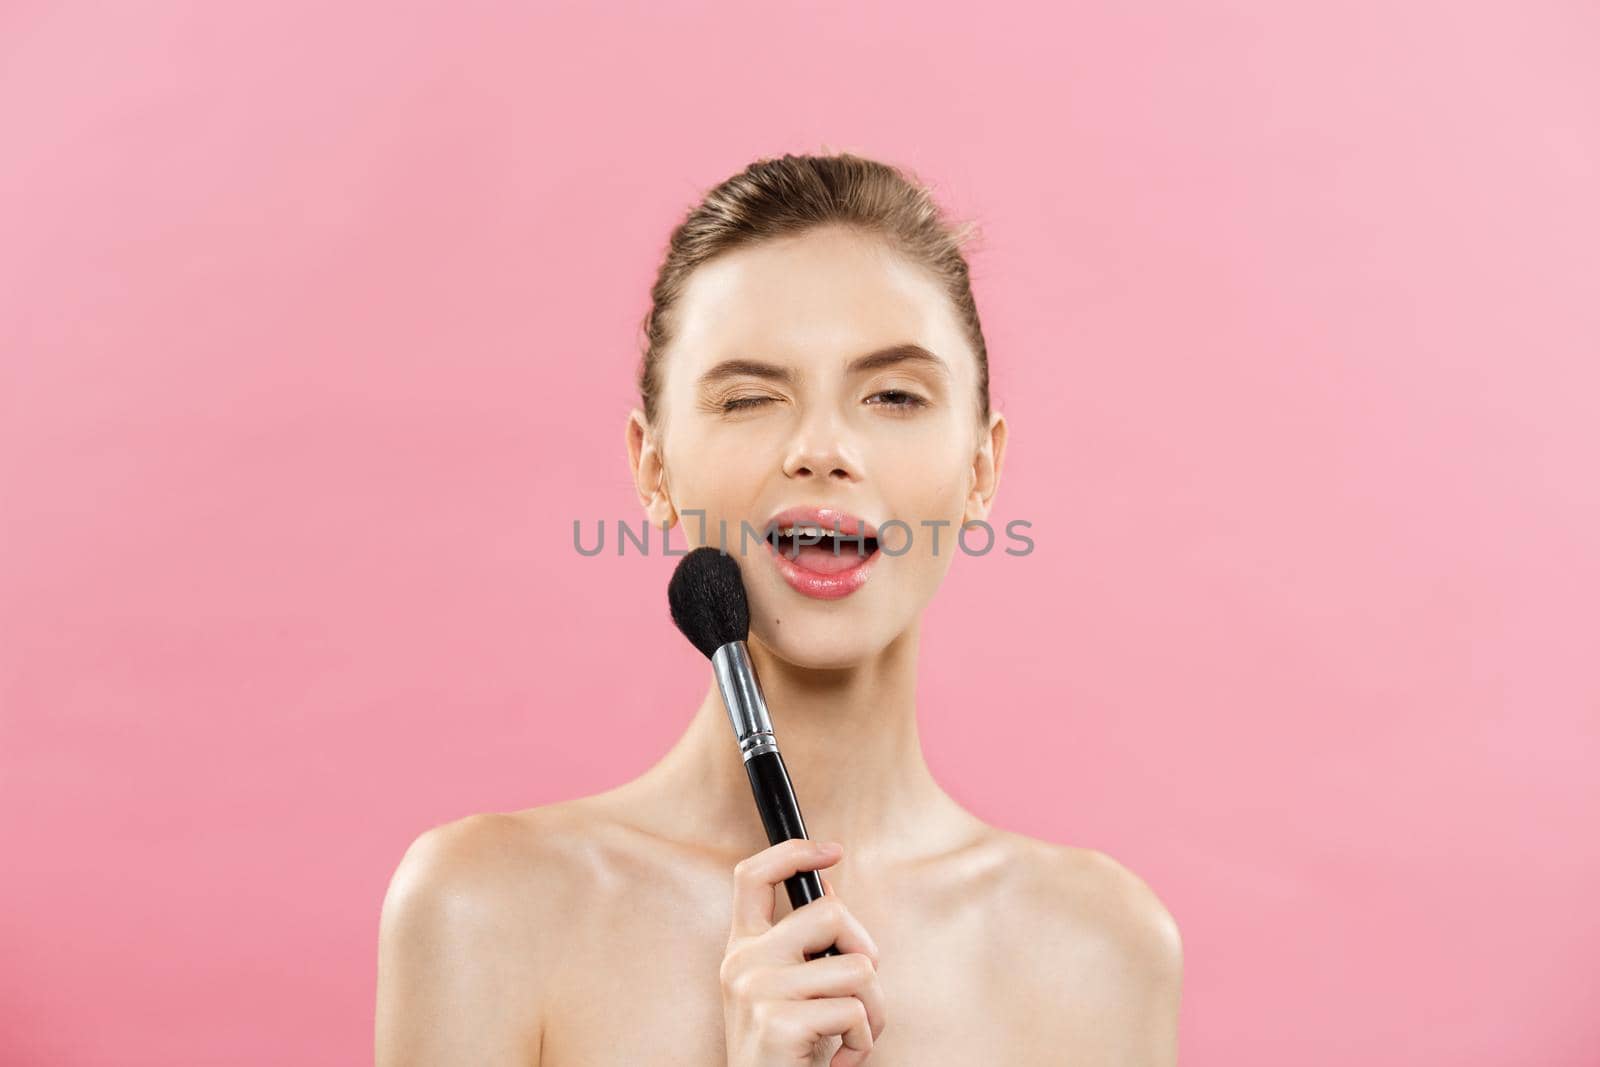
(884,357)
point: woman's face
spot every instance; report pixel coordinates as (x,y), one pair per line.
(898,439)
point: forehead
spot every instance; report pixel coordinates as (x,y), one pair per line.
(828,294)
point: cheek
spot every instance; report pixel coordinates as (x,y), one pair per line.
(930,498)
(926,482)
(722,483)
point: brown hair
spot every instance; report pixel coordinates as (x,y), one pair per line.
(794,193)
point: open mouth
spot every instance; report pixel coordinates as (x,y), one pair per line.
(823,551)
(820,564)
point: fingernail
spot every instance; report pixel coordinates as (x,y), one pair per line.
(831,847)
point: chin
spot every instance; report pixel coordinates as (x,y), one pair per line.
(820,643)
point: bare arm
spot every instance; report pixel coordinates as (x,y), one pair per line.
(1153,1007)
(1142,969)
(456,981)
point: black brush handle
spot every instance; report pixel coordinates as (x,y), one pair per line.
(780,814)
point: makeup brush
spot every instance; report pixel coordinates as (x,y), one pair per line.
(708,603)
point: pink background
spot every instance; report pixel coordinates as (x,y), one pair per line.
(318,331)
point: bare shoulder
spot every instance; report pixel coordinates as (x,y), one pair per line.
(1094,890)
(1103,940)
(461,943)
(492,875)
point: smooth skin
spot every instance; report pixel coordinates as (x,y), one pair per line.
(648,924)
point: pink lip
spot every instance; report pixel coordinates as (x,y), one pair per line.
(826,518)
(814,583)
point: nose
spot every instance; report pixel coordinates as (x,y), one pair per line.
(819,449)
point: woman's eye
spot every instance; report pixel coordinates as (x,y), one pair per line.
(899,398)
(740,402)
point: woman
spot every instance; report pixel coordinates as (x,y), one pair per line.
(812,345)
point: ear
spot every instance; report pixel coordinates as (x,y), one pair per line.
(986,466)
(649,472)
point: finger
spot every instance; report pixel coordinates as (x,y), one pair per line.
(756,877)
(827,886)
(842,1016)
(850,975)
(813,927)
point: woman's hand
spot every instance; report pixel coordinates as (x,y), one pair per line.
(776,1004)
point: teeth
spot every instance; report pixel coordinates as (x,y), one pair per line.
(790,531)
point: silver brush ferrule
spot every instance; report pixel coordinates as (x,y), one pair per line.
(741,695)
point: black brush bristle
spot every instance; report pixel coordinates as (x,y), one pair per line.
(707,598)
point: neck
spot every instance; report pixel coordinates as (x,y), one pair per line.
(850,743)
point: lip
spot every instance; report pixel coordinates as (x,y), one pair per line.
(826,518)
(814,583)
